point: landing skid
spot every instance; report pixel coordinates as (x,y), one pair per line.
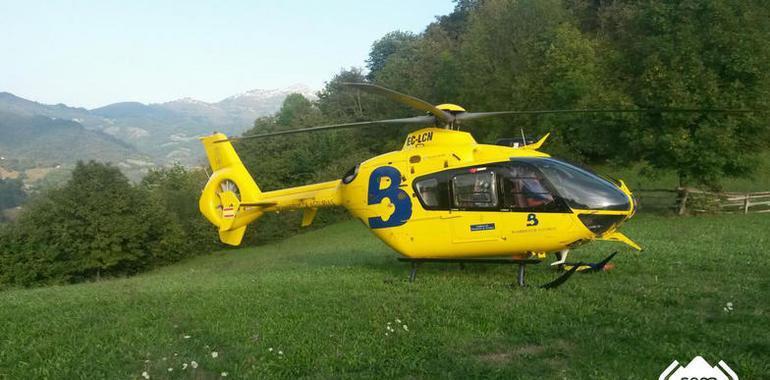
(520,278)
(587,267)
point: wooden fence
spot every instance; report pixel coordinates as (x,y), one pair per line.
(688,200)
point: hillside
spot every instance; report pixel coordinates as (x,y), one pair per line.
(48,141)
(165,132)
(318,306)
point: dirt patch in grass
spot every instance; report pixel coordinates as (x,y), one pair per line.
(502,357)
(8,173)
(37,174)
(556,364)
(554,347)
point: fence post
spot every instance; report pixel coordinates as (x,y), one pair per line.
(746,203)
(683,193)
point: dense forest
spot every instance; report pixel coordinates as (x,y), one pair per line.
(11,193)
(555,54)
(486,55)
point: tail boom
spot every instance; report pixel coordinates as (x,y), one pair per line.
(231,199)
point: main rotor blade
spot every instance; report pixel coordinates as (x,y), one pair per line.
(409,120)
(411,101)
(479,115)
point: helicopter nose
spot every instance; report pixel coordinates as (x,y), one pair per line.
(601,223)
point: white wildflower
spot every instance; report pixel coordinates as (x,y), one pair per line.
(145,375)
(184,366)
(280,352)
(398,320)
(386,334)
(214,354)
(224,374)
(187,337)
(405,328)
(270,349)
(170,369)
(194,364)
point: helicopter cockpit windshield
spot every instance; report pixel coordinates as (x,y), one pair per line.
(580,188)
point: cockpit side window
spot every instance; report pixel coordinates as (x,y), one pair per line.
(580,188)
(476,189)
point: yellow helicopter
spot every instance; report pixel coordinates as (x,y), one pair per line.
(442,197)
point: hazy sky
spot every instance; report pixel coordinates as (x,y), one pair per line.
(92,53)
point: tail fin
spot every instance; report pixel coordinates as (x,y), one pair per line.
(539,143)
(228,189)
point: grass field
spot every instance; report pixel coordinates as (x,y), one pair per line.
(319,305)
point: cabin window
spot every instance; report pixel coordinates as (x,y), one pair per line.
(525,189)
(476,189)
(428,191)
(433,193)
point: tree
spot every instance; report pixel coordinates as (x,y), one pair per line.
(297,111)
(694,54)
(97,224)
(384,48)
(341,104)
(177,189)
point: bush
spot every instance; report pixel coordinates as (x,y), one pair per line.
(97,224)
(177,190)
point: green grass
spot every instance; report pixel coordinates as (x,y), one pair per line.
(324,299)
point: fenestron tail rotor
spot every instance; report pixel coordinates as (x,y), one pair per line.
(443,116)
(228,185)
(228,194)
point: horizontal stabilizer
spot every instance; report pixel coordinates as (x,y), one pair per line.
(259,204)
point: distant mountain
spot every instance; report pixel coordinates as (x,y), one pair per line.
(46,141)
(130,110)
(255,103)
(164,132)
(12,104)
